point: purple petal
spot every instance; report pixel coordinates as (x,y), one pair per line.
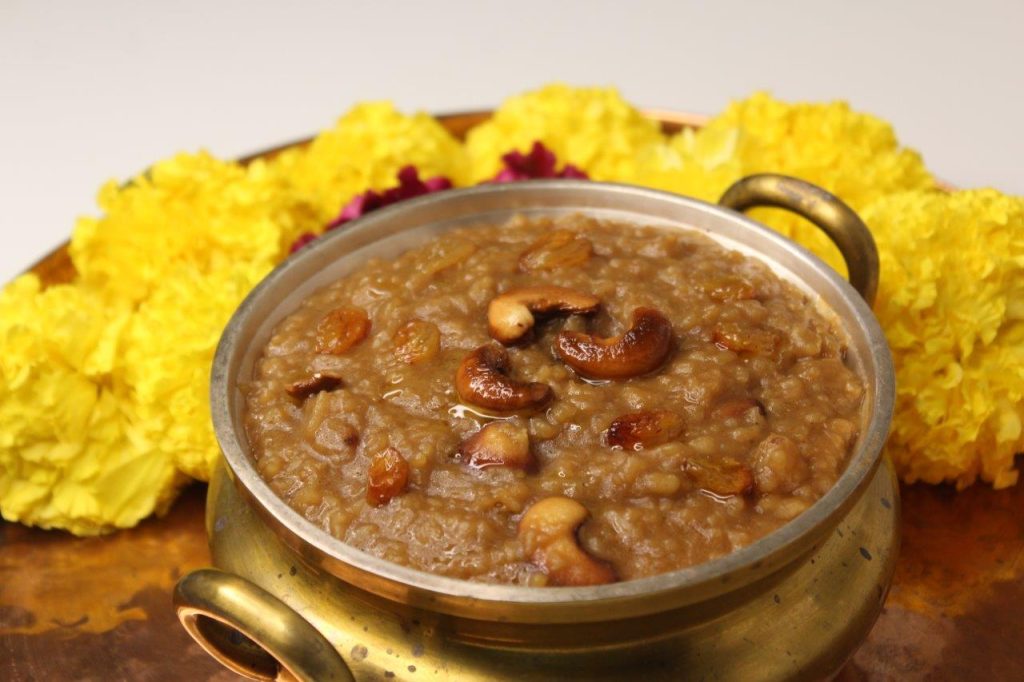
(438,184)
(409,186)
(571,171)
(539,162)
(302,241)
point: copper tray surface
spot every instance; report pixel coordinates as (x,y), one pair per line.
(100,608)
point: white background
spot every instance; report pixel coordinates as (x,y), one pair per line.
(98,90)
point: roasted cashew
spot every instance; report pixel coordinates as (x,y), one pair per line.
(640,349)
(482,380)
(387,477)
(510,315)
(317,382)
(639,430)
(547,532)
(499,443)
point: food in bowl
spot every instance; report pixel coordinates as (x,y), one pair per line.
(555,401)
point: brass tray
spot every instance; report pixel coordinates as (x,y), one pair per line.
(100,608)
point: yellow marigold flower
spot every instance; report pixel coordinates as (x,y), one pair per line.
(99,424)
(184,244)
(192,210)
(855,156)
(951,301)
(592,128)
(69,457)
(365,150)
(167,357)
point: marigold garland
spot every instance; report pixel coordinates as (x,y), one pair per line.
(951,301)
(103,382)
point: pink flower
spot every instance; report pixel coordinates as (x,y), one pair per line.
(539,163)
(409,186)
(303,239)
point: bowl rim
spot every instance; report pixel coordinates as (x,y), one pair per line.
(459,596)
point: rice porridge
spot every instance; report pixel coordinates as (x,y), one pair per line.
(554,402)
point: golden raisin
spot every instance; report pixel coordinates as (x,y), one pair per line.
(729,288)
(341,329)
(755,341)
(721,477)
(417,342)
(557,249)
(446,254)
(737,408)
(387,477)
(638,430)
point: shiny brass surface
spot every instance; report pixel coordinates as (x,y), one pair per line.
(801,623)
(277,644)
(828,212)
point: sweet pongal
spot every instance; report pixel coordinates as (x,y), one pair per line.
(554,402)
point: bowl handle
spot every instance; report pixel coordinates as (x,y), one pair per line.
(846,230)
(252,632)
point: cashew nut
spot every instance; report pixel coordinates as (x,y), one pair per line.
(317,382)
(510,315)
(387,477)
(640,349)
(341,329)
(547,532)
(725,478)
(639,430)
(498,444)
(482,380)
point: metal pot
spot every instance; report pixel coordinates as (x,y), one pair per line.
(291,601)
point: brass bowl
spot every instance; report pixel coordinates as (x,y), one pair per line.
(794,603)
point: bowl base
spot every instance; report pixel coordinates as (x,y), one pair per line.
(802,624)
